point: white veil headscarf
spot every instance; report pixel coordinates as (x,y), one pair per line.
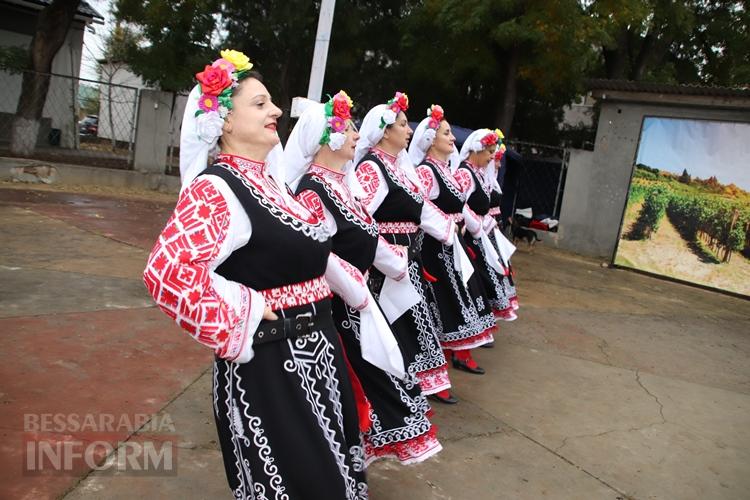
(199,139)
(421,141)
(304,142)
(370,134)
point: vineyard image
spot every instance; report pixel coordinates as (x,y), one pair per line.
(687,228)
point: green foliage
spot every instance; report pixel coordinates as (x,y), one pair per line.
(652,212)
(461,53)
(481,59)
(645,172)
(638,192)
(14,59)
(176,39)
(88,99)
(695,41)
(712,216)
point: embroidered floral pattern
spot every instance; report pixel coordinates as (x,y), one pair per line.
(482,338)
(425,176)
(408,452)
(369,180)
(397,227)
(463,178)
(296,294)
(434,380)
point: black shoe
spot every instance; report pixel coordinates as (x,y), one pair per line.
(460,365)
(488,345)
(450,400)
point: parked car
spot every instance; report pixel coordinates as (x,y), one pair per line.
(89,125)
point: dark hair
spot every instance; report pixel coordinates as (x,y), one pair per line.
(252,74)
(244,76)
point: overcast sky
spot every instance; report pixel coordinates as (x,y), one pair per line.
(93,45)
(703,147)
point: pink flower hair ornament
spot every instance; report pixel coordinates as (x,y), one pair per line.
(489,140)
(218,80)
(338,111)
(399,102)
(436,115)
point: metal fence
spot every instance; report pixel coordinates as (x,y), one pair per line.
(84,122)
(535,178)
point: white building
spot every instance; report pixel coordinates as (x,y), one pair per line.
(60,117)
(118,99)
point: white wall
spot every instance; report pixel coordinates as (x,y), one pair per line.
(61,104)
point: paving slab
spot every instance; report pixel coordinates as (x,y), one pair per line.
(115,363)
(132,219)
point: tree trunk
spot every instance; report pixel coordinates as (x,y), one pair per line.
(616,58)
(52,27)
(643,58)
(507,109)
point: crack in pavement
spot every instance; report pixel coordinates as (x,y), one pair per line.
(600,434)
(629,429)
(602,346)
(661,406)
(622,495)
(474,435)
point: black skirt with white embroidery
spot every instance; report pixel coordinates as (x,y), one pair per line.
(466,321)
(415,330)
(400,428)
(277,413)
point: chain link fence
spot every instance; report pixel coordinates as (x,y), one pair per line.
(83,122)
(534,178)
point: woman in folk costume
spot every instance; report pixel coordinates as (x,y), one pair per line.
(248,272)
(507,302)
(321,144)
(476,154)
(467,320)
(390,191)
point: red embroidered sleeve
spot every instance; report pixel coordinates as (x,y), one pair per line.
(311,200)
(426,178)
(367,175)
(178,276)
(464,179)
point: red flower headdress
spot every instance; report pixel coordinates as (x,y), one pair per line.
(399,102)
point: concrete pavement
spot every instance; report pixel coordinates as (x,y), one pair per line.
(609,385)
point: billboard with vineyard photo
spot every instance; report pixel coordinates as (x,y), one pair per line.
(688,210)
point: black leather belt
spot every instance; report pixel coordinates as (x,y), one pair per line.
(290,328)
